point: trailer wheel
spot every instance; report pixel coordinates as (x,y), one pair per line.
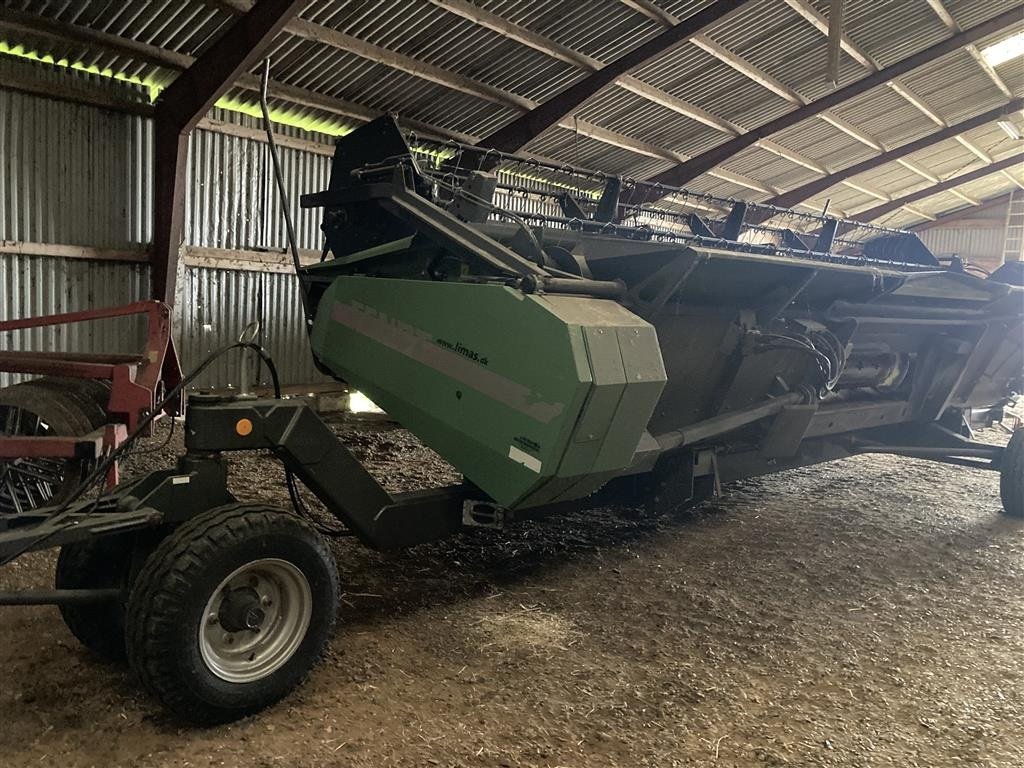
(1011,476)
(96,563)
(231,612)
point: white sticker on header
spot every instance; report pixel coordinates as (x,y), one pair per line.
(522,457)
(181,480)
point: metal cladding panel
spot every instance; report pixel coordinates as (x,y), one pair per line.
(987,187)
(777,40)
(971,12)
(632,115)
(188,26)
(824,143)
(232,201)
(214,307)
(72,174)
(777,172)
(432,34)
(975,244)
(45,285)
(216,304)
(881,26)
(602,29)
(955,86)
(328,70)
(585,152)
(883,113)
(78,175)
(691,74)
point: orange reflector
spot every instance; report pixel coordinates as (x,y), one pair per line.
(243,427)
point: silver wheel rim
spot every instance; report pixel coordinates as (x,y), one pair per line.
(255,620)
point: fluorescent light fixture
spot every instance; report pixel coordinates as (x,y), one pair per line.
(1009,129)
(1004,50)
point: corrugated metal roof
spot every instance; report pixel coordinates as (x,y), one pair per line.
(492,76)
(602,29)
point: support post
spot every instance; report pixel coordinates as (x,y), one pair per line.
(181,106)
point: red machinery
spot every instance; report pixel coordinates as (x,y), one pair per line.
(54,428)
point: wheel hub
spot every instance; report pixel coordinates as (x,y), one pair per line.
(255,620)
(242,609)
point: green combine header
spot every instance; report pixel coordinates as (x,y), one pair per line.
(566,340)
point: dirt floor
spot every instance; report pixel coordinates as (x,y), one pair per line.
(864,613)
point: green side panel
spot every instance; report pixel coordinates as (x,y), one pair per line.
(609,382)
(645,372)
(527,395)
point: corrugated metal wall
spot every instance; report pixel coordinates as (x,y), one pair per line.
(79,175)
(70,174)
(37,285)
(980,245)
(232,201)
(218,303)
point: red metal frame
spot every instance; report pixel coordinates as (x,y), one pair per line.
(136,381)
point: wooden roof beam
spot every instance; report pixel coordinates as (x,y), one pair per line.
(181,106)
(812,188)
(943,186)
(522,130)
(686,172)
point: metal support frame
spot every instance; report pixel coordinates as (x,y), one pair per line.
(308,447)
(182,106)
(134,378)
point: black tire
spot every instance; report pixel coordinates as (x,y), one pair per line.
(89,396)
(1011,476)
(97,563)
(168,617)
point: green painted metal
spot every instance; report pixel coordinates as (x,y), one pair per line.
(534,398)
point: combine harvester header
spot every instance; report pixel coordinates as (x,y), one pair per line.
(561,341)
(547,329)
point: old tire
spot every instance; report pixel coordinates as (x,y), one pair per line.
(96,563)
(90,396)
(1011,476)
(40,408)
(231,612)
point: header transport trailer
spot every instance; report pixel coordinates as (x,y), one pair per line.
(566,340)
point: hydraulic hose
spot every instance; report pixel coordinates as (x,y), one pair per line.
(63,511)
